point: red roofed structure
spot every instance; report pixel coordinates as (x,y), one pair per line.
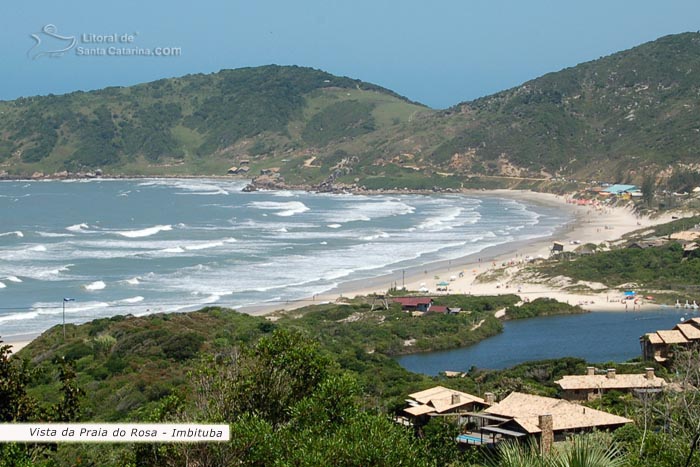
(414,303)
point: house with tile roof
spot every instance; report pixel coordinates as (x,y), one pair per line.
(414,303)
(661,345)
(440,401)
(591,386)
(546,418)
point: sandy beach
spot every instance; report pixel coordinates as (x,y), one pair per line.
(591,224)
(494,270)
(16,343)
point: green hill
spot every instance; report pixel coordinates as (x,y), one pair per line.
(197,124)
(616,119)
(631,112)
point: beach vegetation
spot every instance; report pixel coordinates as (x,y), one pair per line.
(664,267)
(591,450)
(541,307)
(312,386)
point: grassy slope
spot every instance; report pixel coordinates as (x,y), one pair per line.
(615,118)
(127,365)
(197,124)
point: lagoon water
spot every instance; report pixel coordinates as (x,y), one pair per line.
(144,246)
(596,337)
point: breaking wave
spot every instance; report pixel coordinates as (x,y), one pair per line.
(97,285)
(287,209)
(144,232)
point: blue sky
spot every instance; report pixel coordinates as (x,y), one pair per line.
(439,52)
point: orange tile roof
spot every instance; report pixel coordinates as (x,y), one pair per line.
(525,410)
(672,337)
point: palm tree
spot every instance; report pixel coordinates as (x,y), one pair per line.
(580,451)
(587,451)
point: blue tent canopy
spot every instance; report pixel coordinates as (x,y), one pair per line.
(630,293)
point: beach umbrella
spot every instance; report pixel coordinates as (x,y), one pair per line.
(443,284)
(453,278)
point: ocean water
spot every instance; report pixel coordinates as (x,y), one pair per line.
(151,245)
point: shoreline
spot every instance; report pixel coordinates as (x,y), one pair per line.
(590,224)
(18,341)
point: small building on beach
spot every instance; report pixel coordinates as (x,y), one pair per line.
(591,386)
(414,303)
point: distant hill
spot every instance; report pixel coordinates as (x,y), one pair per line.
(631,112)
(197,124)
(619,118)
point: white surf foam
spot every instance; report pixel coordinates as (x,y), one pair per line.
(287,209)
(55,272)
(334,226)
(2,285)
(177,249)
(376,236)
(442,220)
(284,194)
(13,279)
(97,285)
(37,272)
(136,299)
(197,187)
(19,316)
(203,246)
(16,233)
(42,309)
(133,281)
(144,232)
(54,234)
(366,211)
(77,227)
(37,248)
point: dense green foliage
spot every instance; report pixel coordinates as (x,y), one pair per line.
(595,450)
(17,406)
(312,386)
(541,307)
(345,326)
(593,116)
(130,364)
(201,121)
(343,119)
(660,267)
